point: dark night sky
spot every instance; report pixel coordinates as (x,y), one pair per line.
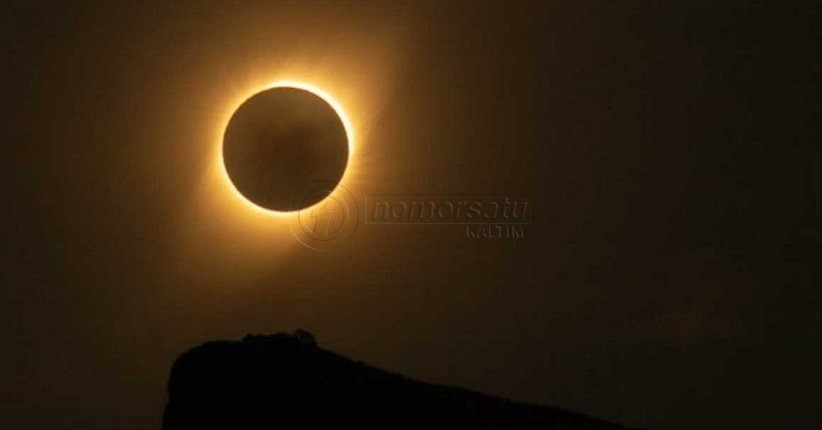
(668,150)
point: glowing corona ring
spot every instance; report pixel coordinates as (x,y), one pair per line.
(349,133)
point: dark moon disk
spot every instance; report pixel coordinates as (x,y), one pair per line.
(285,148)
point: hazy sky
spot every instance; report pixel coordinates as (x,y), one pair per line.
(667,152)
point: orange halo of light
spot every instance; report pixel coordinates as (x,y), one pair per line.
(300,85)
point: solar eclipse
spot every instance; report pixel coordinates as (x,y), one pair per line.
(284,145)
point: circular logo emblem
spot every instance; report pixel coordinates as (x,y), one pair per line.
(328,223)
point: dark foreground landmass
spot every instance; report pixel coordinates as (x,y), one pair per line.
(287,381)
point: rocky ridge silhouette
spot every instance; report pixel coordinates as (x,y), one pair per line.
(287,381)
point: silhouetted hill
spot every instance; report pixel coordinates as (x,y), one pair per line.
(287,381)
